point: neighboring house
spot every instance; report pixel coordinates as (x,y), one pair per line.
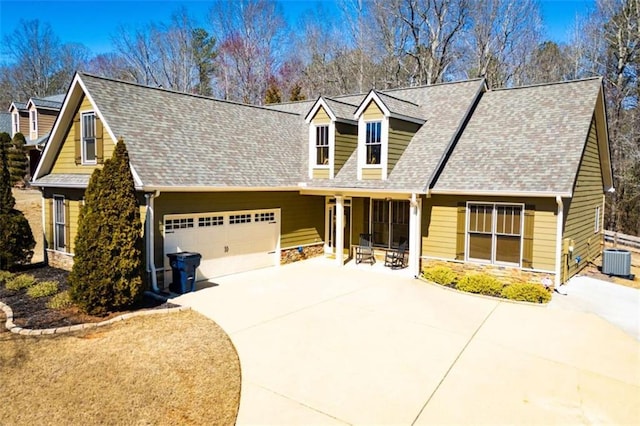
(35,120)
(511,178)
(5,122)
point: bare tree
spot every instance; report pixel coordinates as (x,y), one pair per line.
(42,65)
(250,33)
(501,39)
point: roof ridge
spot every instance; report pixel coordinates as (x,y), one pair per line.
(552,83)
(397,99)
(193,95)
(340,102)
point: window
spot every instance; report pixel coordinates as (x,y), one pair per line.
(235,219)
(34,121)
(182,223)
(596,227)
(265,217)
(322,145)
(494,233)
(15,118)
(58,223)
(390,222)
(88,141)
(373,142)
(210,221)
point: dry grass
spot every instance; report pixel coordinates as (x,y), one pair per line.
(163,369)
(28,201)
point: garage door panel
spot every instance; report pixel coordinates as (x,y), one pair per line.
(229,242)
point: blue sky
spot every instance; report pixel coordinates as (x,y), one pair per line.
(92,22)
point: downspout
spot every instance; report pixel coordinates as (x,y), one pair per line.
(149,221)
(559,241)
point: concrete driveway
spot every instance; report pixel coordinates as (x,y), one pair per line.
(360,345)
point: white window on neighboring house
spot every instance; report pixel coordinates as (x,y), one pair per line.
(596,228)
(59,225)
(34,122)
(322,145)
(15,120)
(88,140)
(373,142)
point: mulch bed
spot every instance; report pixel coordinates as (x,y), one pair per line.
(33,313)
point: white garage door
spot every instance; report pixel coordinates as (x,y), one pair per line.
(229,242)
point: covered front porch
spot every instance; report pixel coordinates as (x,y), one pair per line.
(391,220)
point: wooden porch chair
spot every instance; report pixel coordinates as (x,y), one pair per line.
(396,258)
(364,251)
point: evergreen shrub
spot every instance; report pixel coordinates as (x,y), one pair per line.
(18,282)
(440,275)
(481,283)
(527,292)
(43,289)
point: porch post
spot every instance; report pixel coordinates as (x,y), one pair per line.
(415,235)
(339,243)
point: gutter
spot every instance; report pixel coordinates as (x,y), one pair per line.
(150,240)
(501,193)
(560,220)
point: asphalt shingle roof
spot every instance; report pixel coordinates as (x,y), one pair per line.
(399,106)
(341,109)
(51,102)
(443,107)
(5,122)
(176,139)
(526,139)
(60,179)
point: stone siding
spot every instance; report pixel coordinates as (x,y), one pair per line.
(508,275)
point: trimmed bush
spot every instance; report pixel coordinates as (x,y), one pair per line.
(61,300)
(480,283)
(440,275)
(527,292)
(18,282)
(5,276)
(43,289)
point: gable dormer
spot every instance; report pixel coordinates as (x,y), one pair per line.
(332,137)
(386,125)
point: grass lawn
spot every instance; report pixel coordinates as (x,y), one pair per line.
(178,368)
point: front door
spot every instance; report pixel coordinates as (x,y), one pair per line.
(331,240)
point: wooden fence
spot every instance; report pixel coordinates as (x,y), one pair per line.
(622,239)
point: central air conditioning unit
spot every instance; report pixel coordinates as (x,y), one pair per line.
(616,262)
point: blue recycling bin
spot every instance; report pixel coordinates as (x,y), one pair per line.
(183,265)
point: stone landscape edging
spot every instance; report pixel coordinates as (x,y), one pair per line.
(9,324)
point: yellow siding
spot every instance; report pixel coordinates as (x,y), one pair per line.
(74,212)
(321,117)
(373,112)
(65,161)
(346,144)
(321,173)
(439,226)
(302,217)
(400,134)
(580,210)
(45,122)
(372,174)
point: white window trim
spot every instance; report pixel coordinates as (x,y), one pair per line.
(493,234)
(598,214)
(54,218)
(33,123)
(82,144)
(15,123)
(362,146)
(312,148)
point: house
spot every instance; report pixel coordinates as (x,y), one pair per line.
(510,178)
(35,120)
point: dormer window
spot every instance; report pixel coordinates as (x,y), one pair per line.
(34,124)
(16,123)
(322,145)
(373,142)
(88,138)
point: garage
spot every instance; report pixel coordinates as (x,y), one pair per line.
(229,242)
